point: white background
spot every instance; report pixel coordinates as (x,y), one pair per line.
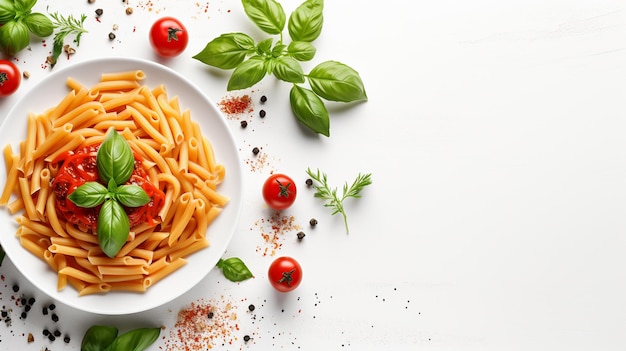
(494,132)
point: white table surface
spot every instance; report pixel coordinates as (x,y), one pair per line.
(494,132)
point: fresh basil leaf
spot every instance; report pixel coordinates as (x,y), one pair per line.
(310,110)
(226,51)
(88,195)
(39,24)
(278,50)
(7,11)
(247,74)
(14,37)
(24,5)
(336,81)
(234,269)
(305,22)
(98,338)
(288,69)
(115,159)
(135,340)
(301,50)
(131,195)
(264,46)
(268,15)
(113,227)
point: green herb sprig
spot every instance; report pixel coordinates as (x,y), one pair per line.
(65,25)
(234,269)
(252,61)
(106,338)
(335,202)
(115,163)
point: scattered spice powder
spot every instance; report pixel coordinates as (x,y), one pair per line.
(236,104)
(273,231)
(195,331)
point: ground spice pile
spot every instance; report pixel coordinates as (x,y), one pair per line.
(203,325)
(273,231)
(233,105)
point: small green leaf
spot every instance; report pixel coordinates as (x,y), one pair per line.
(98,338)
(301,50)
(306,21)
(7,11)
(115,159)
(24,5)
(309,110)
(113,227)
(135,340)
(247,74)
(131,195)
(268,15)
(264,46)
(278,50)
(288,69)
(234,269)
(336,81)
(88,195)
(39,24)
(226,51)
(14,37)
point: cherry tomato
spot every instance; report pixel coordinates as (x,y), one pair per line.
(168,37)
(279,191)
(285,274)
(10,78)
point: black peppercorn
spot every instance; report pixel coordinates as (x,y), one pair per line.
(246,338)
(23,301)
(57,333)
(51,337)
(244,124)
(263,98)
(4,314)
(262,113)
(54,317)
(31,301)
(313,222)
(27,308)
(210,315)
(111,35)
(24,315)
(255,150)
(46,332)
(52,307)
(66,339)
(16,288)
(44,311)
(309,182)
(300,235)
(99,12)
(251,307)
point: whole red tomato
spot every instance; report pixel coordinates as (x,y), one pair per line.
(285,274)
(168,37)
(279,191)
(10,78)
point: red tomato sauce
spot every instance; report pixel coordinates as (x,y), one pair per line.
(79,167)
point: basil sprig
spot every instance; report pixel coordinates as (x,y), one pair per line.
(106,338)
(115,163)
(330,80)
(18,21)
(234,269)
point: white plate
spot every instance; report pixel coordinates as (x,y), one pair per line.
(49,93)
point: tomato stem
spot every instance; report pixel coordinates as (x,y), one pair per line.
(287,278)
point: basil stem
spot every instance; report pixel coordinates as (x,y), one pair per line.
(135,340)
(234,269)
(305,22)
(98,338)
(115,159)
(268,15)
(113,227)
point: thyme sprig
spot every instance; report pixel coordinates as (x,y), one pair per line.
(324,191)
(65,25)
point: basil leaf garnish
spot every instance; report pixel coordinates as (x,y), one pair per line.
(39,24)
(247,74)
(88,195)
(135,340)
(234,269)
(310,110)
(7,11)
(288,69)
(226,51)
(301,50)
(268,15)
(14,37)
(131,195)
(24,5)
(305,23)
(336,81)
(113,227)
(98,338)
(115,159)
